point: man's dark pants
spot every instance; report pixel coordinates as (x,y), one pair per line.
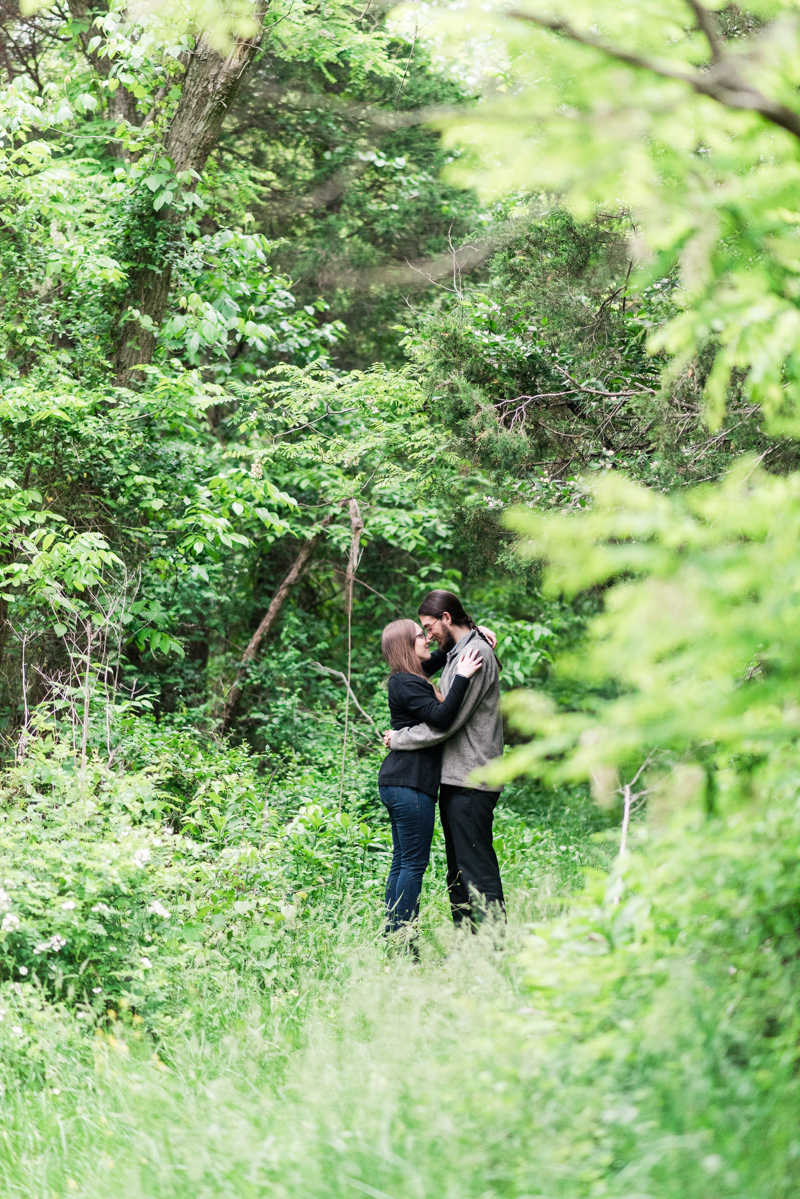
(473,875)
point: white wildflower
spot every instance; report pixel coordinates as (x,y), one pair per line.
(102,907)
(5,900)
(69,906)
(146,963)
(16,1029)
(23,969)
(96,990)
(10,922)
(158,909)
(55,943)
(140,857)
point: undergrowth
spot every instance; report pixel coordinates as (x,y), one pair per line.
(628,1033)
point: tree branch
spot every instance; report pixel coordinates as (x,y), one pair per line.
(338,674)
(357,528)
(266,624)
(705,23)
(722,82)
(557,25)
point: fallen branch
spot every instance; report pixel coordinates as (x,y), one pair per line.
(266,624)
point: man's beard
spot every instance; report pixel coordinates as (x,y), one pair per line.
(448,642)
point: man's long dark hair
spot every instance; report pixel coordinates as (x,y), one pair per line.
(436,603)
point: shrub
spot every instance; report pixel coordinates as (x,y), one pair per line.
(86,876)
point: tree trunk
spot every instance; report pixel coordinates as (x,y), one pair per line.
(297,568)
(209,87)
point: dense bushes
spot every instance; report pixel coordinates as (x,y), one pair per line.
(86,874)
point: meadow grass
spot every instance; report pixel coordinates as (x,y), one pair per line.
(455,1077)
(602,1043)
(374,1074)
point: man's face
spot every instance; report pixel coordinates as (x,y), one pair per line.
(438,630)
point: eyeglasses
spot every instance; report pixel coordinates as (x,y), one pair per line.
(425,635)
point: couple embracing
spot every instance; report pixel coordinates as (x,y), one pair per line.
(437,740)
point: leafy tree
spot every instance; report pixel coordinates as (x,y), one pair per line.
(698,127)
(697,635)
(359,201)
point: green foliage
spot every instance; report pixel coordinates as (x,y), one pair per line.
(502,361)
(358,196)
(710,181)
(227,288)
(647,1036)
(83,881)
(698,633)
(195,992)
(542,373)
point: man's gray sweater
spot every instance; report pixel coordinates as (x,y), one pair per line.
(476,734)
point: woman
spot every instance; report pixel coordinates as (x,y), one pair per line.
(409,781)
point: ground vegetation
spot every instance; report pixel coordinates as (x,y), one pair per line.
(299,320)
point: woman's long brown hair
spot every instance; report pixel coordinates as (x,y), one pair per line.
(397,647)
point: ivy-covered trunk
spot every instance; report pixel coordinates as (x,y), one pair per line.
(209,87)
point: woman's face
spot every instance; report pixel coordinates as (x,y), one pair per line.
(421,645)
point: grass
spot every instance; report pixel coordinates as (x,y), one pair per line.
(376,1077)
(592,1048)
(350,1078)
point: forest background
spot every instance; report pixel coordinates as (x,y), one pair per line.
(307,309)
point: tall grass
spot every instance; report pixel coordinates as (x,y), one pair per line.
(638,1038)
(460,1077)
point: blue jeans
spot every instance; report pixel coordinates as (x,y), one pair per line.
(412,815)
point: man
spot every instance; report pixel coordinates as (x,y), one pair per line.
(473,739)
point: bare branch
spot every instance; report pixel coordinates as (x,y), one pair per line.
(705,23)
(722,82)
(338,674)
(628,799)
(612,395)
(559,432)
(524,401)
(556,25)
(379,594)
(269,619)
(356,528)
(723,435)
